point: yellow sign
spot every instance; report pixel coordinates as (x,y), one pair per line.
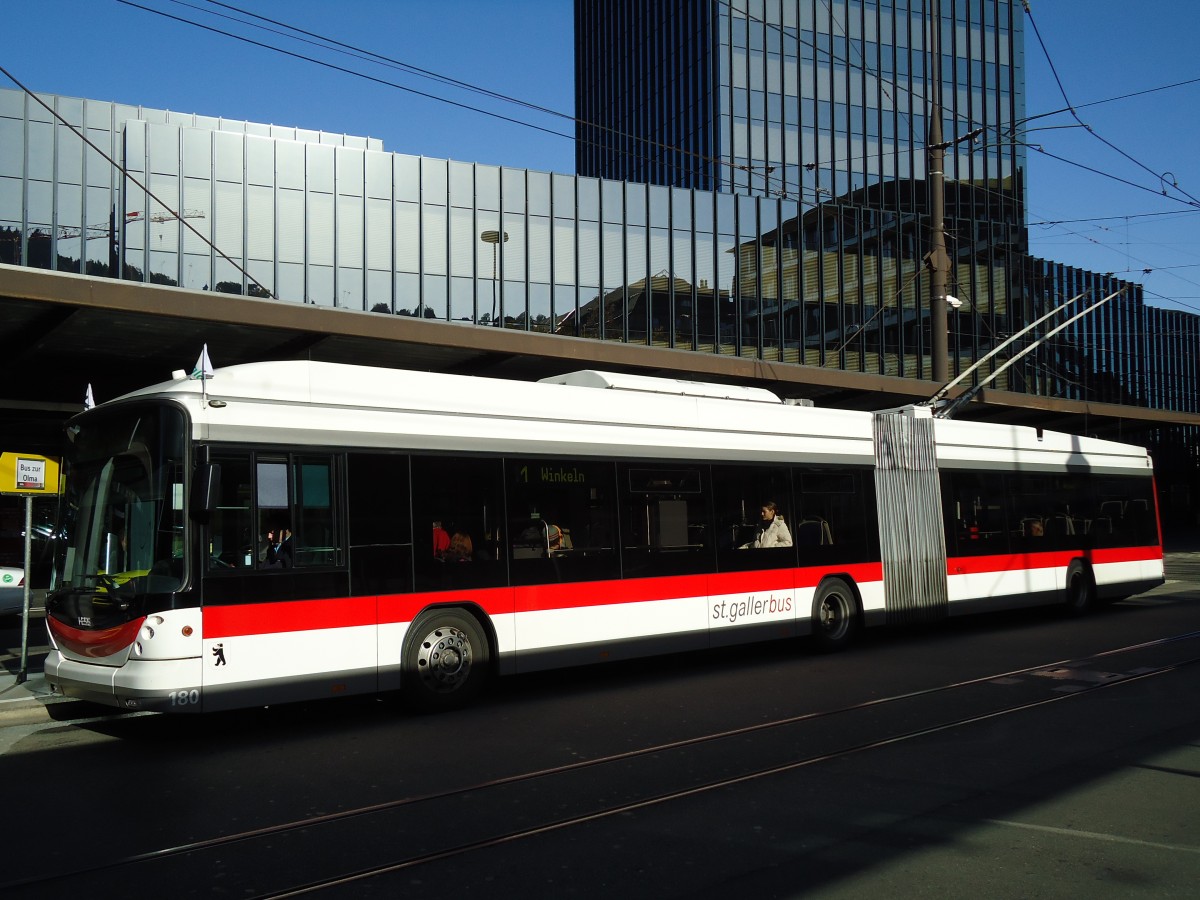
(28,473)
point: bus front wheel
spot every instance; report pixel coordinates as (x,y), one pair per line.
(835,615)
(446,661)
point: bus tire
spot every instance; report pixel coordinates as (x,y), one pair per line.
(1081,588)
(835,615)
(446,660)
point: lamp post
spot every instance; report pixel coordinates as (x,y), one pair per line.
(494,238)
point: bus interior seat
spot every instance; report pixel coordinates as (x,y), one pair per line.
(531,541)
(813,533)
(1060,525)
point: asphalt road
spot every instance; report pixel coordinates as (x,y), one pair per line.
(1017,755)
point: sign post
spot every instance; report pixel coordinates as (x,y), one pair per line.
(27,475)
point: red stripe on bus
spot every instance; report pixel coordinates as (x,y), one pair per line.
(405,607)
(307,615)
(539,598)
(542,597)
(1127,554)
(95,644)
(1008,562)
(290,615)
(789,579)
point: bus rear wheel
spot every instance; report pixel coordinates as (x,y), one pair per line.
(1081,588)
(835,615)
(446,661)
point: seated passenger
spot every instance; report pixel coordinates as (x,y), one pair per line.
(441,539)
(275,554)
(461,548)
(772,530)
(558,538)
(285,552)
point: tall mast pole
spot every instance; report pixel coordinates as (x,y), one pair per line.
(936,260)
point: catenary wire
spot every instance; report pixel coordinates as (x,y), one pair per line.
(1075,115)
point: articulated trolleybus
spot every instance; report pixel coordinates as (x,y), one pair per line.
(295,530)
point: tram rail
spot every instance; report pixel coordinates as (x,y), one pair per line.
(606,786)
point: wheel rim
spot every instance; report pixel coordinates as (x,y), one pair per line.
(444,659)
(835,615)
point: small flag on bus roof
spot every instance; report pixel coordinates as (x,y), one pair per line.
(204,368)
(88,400)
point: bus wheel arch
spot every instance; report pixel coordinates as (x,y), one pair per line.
(447,658)
(836,613)
(1080,590)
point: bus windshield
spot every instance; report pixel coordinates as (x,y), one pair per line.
(123,528)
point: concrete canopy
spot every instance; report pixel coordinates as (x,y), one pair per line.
(61,332)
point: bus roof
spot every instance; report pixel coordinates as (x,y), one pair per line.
(592,413)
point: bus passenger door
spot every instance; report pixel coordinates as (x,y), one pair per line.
(279,623)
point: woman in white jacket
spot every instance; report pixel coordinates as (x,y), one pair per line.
(772,530)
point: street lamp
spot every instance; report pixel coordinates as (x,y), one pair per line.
(493,238)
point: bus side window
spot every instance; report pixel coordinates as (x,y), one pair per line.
(466,496)
(274,512)
(664,520)
(834,519)
(976,514)
(1125,512)
(232,541)
(1030,513)
(317,541)
(739,493)
(271,483)
(379,532)
(561,515)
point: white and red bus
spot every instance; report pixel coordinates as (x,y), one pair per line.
(269,534)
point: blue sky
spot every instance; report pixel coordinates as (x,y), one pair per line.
(1103,49)
(1100,50)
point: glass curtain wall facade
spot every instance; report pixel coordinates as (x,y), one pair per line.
(645,92)
(822,106)
(813,114)
(64,206)
(812,100)
(336,221)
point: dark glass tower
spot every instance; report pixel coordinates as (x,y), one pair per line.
(809,100)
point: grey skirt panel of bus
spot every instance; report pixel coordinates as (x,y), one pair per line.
(911,537)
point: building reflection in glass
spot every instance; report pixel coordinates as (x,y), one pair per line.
(336,221)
